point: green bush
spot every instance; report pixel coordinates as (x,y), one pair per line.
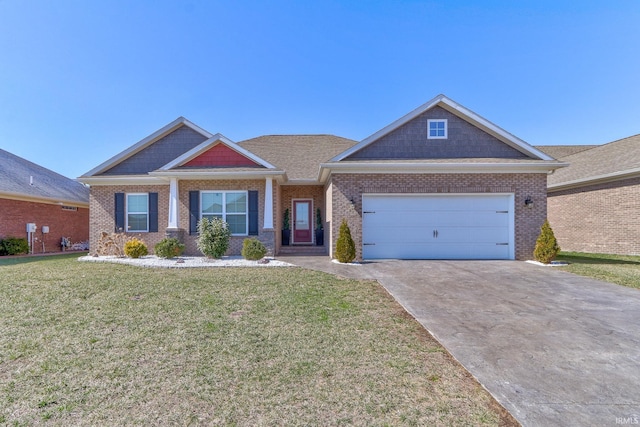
(14,246)
(135,248)
(214,235)
(253,249)
(546,246)
(345,247)
(168,247)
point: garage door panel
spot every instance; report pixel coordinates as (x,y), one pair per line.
(408,234)
(437,251)
(445,218)
(438,226)
(447,202)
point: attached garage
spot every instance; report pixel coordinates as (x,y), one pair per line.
(438,226)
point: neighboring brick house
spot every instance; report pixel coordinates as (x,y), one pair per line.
(440,182)
(32,194)
(594,204)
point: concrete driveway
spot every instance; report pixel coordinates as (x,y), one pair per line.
(552,347)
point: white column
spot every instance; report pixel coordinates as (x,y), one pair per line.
(268,203)
(173,203)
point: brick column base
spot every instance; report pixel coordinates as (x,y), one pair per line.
(178,233)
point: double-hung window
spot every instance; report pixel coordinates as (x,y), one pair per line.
(231,206)
(137,212)
(437,129)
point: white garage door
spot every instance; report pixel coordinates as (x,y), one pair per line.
(461,226)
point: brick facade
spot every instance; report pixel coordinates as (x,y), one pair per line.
(73,224)
(601,218)
(346,187)
(235,247)
(103,207)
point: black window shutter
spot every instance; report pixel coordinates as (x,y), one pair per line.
(119,212)
(153,212)
(253,213)
(194,211)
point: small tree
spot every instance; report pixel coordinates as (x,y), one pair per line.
(345,247)
(546,246)
(285,220)
(214,235)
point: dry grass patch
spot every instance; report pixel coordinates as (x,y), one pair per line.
(106,344)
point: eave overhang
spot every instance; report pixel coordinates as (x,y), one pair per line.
(276,174)
(593,180)
(38,199)
(326,169)
(164,177)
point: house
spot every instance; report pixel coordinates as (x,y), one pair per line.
(32,194)
(440,182)
(594,203)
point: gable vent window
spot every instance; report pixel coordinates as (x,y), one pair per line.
(437,129)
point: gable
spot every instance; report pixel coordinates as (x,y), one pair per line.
(159,153)
(409,141)
(220,156)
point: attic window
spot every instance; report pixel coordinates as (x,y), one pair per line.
(437,129)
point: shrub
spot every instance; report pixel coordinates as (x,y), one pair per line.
(345,247)
(213,240)
(546,246)
(135,248)
(253,249)
(169,247)
(14,246)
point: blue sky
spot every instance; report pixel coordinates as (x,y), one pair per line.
(82,80)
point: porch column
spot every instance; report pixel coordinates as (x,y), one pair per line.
(173,203)
(268,203)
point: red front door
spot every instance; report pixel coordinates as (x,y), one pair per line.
(302,221)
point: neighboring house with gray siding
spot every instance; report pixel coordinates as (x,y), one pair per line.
(440,182)
(594,204)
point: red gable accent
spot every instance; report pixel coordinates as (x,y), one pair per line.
(220,155)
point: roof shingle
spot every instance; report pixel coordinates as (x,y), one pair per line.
(616,157)
(299,155)
(15,178)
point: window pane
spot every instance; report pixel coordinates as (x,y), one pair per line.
(236,202)
(209,216)
(237,224)
(137,222)
(137,203)
(212,203)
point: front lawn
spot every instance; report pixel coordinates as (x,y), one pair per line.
(106,344)
(621,269)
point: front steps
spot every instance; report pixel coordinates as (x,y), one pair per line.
(306,250)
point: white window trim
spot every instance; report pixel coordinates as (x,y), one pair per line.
(127,213)
(446,128)
(224,207)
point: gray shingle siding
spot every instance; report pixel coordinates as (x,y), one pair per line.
(159,153)
(410,141)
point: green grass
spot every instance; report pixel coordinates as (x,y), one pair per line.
(107,344)
(621,269)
